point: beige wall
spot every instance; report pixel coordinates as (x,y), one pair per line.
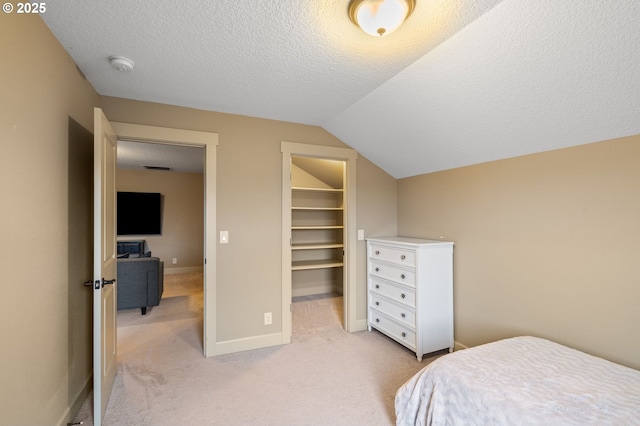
(182,219)
(377,201)
(249,206)
(45,354)
(546,244)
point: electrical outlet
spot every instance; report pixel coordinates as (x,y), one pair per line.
(175,260)
(268,318)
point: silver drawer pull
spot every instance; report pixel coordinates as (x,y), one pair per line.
(403,315)
(403,257)
(377,319)
(377,252)
(402,276)
(377,303)
(402,295)
(377,269)
(404,334)
(377,285)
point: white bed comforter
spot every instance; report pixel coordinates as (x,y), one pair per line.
(520,381)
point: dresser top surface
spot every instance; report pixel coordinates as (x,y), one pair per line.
(408,240)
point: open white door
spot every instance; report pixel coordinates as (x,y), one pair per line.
(104,264)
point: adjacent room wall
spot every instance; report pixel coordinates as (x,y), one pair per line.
(545,245)
(46,347)
(182,216)
(249,206)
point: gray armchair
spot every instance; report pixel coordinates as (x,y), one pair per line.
(140,283)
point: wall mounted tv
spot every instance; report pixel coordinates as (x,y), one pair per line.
(139,213)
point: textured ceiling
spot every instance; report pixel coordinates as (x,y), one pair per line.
(178,158)
(527,77)
(461,82)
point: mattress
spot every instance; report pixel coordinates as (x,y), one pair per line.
(520,381)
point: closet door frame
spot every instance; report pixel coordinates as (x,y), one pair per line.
(349,156)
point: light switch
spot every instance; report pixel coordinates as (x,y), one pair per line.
(224,237)
(360,234)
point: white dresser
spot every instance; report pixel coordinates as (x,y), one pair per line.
(410,292)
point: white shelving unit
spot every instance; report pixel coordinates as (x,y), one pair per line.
(317,238)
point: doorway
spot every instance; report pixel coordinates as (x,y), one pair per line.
(318,227)
(161,217)
(209,142)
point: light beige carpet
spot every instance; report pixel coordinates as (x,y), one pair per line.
(326,376)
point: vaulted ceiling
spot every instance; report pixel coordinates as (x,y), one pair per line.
(461,82)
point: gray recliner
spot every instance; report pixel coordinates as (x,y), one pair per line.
(140,283)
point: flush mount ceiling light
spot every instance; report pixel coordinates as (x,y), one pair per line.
(121,63)
(380,17)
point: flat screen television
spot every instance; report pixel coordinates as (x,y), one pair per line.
(139,213)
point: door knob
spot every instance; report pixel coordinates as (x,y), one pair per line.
(105,282)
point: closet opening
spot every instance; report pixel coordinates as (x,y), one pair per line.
(318,235)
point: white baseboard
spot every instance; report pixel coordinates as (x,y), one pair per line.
(259,342)
(245,344)
(359,325)
(457,346)
(76,402)
(310,291)
(185,270)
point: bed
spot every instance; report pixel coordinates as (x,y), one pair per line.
(520,381)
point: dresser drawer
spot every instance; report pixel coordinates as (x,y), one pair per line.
(393,255)
(398,332)
(400,294)
(399,312)
(393,273)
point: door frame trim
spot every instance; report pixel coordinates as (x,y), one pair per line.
(349,156)
(209,141)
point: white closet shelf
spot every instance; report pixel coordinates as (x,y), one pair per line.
(316,246)
(317,208)
(302,188)
(316,264)
(319,227)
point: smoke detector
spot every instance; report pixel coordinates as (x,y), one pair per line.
(121,63)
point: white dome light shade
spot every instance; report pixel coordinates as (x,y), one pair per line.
(380,17)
